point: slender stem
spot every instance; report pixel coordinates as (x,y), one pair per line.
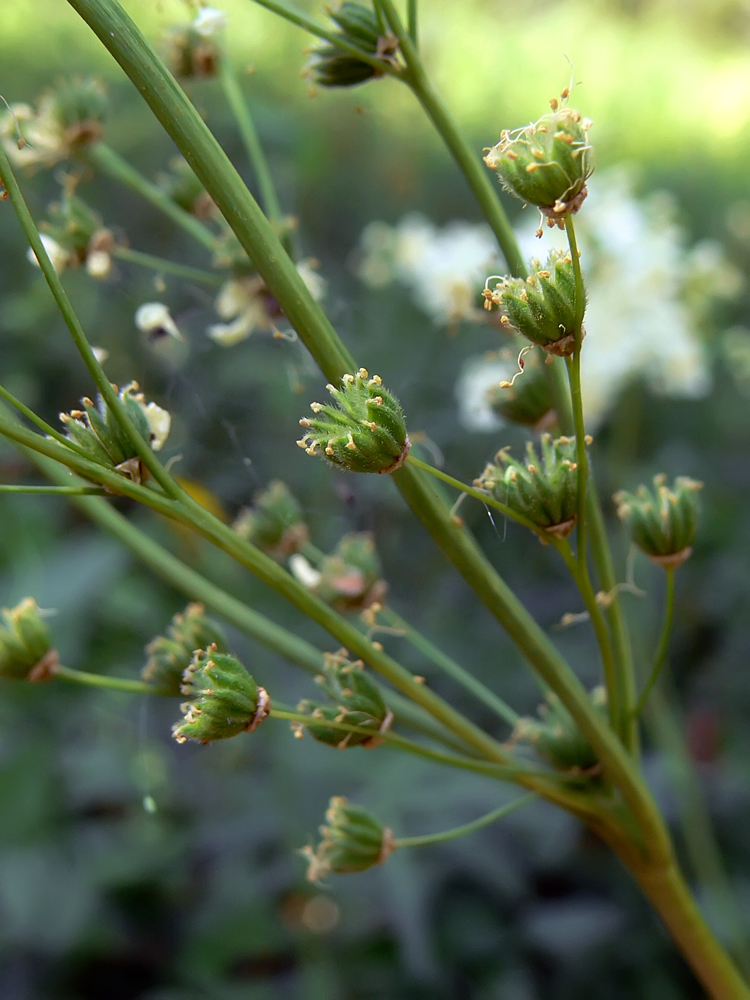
(238,105)
(41,424)
(450,667)
(663,647)
(467,159)
(574,374)
(412,20)
(102,681)
(600,628)
(105,158)
(462,831)
(167,266)
(70,491)
(96,371)
(477,494)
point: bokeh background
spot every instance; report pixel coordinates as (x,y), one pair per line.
(205,897)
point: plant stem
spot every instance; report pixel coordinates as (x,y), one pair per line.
(574,374)
(104,158)
(412,21)
(663,647)
(167,266)
(102,681)
(600,628)
(450,667)
(467,159)
(236,101)
(80,491)
(478,495)
(462,831)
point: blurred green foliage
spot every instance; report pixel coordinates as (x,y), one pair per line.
(204,897)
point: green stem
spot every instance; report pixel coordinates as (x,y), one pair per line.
(70,491)
(467,159)
(600,628)
(105,387)
(41,424)
(115,167)
(462,831)
(450,667)
(663,647)
(412,21)
(236,101)
(101,681)
(478,495)
(167,266)
(574,373)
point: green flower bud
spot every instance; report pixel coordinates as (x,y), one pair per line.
(170,655)
(542,307)
(353,841)
(662,521)
(557,738)
(275,522)
(331,66)
(181,185)
(545,491)
(224,699)
(364,432)
(350,578)
(547,163)
(358,703)
(79,106)
(527,399)
(191,55)
(77,229)
(98,432)
(25,644)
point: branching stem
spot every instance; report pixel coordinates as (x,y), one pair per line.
(467,828)
(663,647)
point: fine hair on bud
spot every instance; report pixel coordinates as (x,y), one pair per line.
(365,429)
(352,840)
(170,655)
(662,520)
(542,488)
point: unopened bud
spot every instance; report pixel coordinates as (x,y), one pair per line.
(556,737)
(351,577)
(364,432)
(25,643)
(170,655)
(224,699)
(275,522)
(352,841)
(527,399)
(662,521)
(331,66)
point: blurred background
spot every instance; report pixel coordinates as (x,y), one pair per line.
(204,897)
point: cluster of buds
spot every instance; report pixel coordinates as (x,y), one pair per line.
(73,235)
(192,51)
(548,162)
(527,398)
(662,521)
(352,841)
(331,66)
(224,700)
(275,522)
(65,121)
(364,432)
(97,431)
(182,187)
(557,739)
(542,307)
(170,655)
(358,702)
(544,490)
(25,645)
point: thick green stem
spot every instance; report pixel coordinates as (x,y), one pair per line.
(412,21)
(102,681)
(104,158)
(462,831)
(162,266)
(663,647)
(450,667)
(574,373)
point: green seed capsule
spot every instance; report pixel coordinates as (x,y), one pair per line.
(170,655)
(351,577)
(331,66)
(662,521)
(25,643)
(275,522)
(352,841)
(557,738)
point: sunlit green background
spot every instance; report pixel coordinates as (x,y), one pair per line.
(205,899)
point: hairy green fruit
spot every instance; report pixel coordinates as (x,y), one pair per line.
(25,644)
(352,841)
(662,521)
(170,655)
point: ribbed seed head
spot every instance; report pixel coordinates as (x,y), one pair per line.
(547,163)
(25,641)
(170,655)
(556,737)
(358,25)
(365,431)
(79,105)
(350,578)
(275,522)
(352,841)
(224,700)
(528,400)
(191,55)
(662,521)
(544,488)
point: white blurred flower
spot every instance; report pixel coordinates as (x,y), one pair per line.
(478,375)
(99,264)
(59,256)
(100,353)
(445,268)
(154,318)
(304,572)
(209,21)
(160,422)
(43,142)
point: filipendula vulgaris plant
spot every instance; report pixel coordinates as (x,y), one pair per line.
(586,751)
